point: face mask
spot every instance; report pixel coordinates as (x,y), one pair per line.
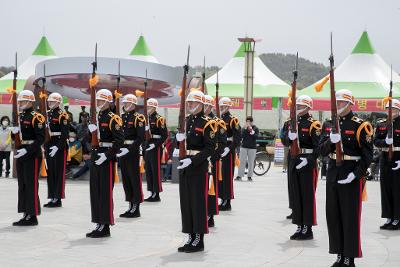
(53,105)
(71,139)
(224,110)
(341,110)
(299,111)
(99,108)
(5,123)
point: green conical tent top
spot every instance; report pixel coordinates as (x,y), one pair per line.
(364,45)
(141,48)
(241,52)
(44,48)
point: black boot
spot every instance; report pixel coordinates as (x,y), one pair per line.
(386,225)
(249,179)
(19,223)
(58,203)
(49,204)
(290,216)
(348,262)
(338,262)
(102,231)
(92,232)
(187,244)
(211,221)
(238,178)
(125,214)
(306,233)
(157,198)
(296,234)
(226,206)
(395,225)
(134,212)
(196,245)
(149,198)
(28,221)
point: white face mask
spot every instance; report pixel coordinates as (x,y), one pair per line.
(224,109)
(299,111)
(72,139)
(100,108)
(52,105)
(4,123)
(341,110)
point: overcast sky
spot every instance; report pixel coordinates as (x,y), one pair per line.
(211,27)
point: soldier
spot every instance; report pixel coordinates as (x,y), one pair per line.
(56,151)
(389,169)
(344,184)
(102,170)
(29,156)
(153,151)
(70,115)
(303,169)
(229,153)
(133,125)
(83,114)
(215,160)
(286,143)
(193,179)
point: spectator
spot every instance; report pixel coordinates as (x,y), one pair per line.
(5,144)
(75,150)
(83,113)
(70,116)
(248,149)
(168,157)
(84,136)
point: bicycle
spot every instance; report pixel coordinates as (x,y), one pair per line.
(262,163)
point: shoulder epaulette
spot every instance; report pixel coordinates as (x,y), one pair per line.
(160,121)
(368,130)
(37,116)
(139,117)
(116,118)
(317,125)
(356,119)
(235,121)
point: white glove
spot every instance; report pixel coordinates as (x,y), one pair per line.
(92,127)
(252,132)
(184,163)
(20,153)
(151,146)
(53,151)
(226,151)
(175,153)
(388,140)
(335,138)
(122,152)
(292,136)
(349,179)
(303,163)
(147,127)
(101,159)
(180,137)
(398,165)
(15,130)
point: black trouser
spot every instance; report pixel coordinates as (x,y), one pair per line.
(28,185)
(5,155)
(131,177)
(228,170)
(101,189)
(213,198)
(390,189)
(153,170)
(56,168)
(304,182)
(193,193)
(343,211)
(289,179)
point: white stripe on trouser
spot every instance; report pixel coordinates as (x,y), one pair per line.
(247,155)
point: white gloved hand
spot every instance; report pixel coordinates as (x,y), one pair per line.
(151,146)
(175,153)
(101,159)
(122,152)
(184,163)
(335,138)
(226,151)
(180,137)
(147,127)
(349,179)
(92,127)
(15,130)
(252,132)
(303,163)
(20,152)
(388,140)
(398,165)
(292,136)
(53,151)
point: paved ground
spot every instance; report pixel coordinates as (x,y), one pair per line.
(254,233)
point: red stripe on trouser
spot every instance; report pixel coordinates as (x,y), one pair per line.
(206,198)
(111,193)
(216,186)
(36,186)
(315,178)
(63,177)
(231,174)
(159,170)
(359,218)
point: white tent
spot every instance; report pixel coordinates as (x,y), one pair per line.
(26,70)
(231,79)
(141,51)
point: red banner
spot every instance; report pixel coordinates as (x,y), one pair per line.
(361,105)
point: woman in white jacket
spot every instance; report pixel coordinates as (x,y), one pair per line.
(5,144)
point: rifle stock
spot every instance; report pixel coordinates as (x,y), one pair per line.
(182,122)
(43,104)
(390,116)
(217,110)
(294,146)
(147,134)
(93,112)
(15,115)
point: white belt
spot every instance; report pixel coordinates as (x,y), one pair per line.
(156,136)
(192,152)
(395,148)
(229,139)
(129,142)
(105,144)
(306,151)
(345,157)
(27,142)
(55,133)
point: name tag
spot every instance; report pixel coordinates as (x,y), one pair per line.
(397,131)
(382,128)
(130,122)
(328,129)
(27,122)
(104,124)
(200,130)
(304,130)
(349,132)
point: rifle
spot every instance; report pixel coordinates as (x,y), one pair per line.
(15,119)
(294,146)
(182,122)
(203,77)
(218,113)
(43,104)
(390,115)
(117,94)
(335,118)
(92,88)
(147,134)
